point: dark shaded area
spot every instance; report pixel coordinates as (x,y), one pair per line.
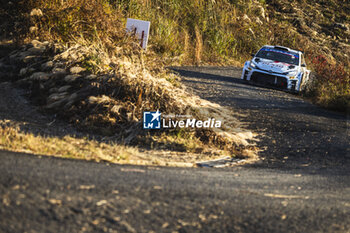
(187,72)
(14,20)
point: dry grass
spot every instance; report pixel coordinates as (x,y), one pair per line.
(127,82)
(230,30)
(120,93)
(67,147)
(199,46)
(13,139)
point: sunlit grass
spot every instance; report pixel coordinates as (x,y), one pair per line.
(66,147)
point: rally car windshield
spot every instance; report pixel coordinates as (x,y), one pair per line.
(277,55)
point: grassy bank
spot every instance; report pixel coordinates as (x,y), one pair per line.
(116,80)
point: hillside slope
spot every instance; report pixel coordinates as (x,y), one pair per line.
(213,32)
(325,24)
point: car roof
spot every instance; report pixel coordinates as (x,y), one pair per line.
(281,48)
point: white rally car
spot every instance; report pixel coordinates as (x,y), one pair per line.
(277,66)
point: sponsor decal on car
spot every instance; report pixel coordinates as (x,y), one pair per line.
(275,64)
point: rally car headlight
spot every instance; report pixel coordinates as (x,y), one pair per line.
(252,65)
(292,73)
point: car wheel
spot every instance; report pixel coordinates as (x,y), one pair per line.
(245,74)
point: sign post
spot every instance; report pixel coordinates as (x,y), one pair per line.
(140,29)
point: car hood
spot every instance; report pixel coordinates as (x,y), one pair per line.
(274,66)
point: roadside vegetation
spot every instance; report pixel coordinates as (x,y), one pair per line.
(201,32)
(215,32)
(12,138)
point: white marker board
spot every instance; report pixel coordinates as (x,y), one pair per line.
(140,29)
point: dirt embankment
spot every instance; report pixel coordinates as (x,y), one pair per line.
(109,103)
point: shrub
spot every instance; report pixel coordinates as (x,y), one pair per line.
(332,84)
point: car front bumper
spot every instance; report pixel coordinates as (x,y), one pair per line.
(270,79)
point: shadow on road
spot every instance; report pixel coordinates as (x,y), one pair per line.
(208,76)
(293,132)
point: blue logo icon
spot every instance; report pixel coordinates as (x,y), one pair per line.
(151,120)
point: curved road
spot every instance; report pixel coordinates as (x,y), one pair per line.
(301,184)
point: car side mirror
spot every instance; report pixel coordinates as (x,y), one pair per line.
(303,65)
(253,54)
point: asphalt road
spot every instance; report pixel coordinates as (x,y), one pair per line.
(301,184)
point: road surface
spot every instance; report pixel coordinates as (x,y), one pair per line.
(301,184)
